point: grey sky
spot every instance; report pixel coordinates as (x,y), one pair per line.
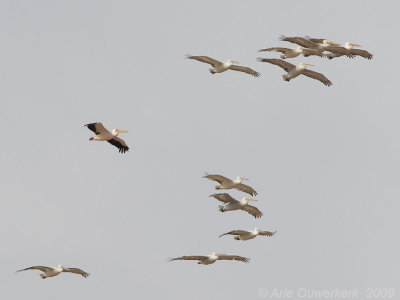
(325,161)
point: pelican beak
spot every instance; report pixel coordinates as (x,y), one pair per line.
(309,65)
(243,178)
(249,199)
(355,45)
(219,254)
(236,62)
(121,131)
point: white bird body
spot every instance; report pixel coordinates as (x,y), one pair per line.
(51,272)
(242,235)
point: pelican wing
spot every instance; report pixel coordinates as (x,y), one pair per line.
(97,128)
(218,178)
(308,52)
(254,211)
(319,41)
(245,70)
(119,143)
(190,257)
(224,197)
(234,257)
(299,41)
(276,49)
(235,232)
(76,271)
(41,268)
(362,53)
(340,50)
(318,76)
(267,233)
(205,59)
(278,62)
(245,188)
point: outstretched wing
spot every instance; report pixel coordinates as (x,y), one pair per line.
(245,70)
(340,50)
(76,271)
(235,232)
(266,233)
(234,257)
(224,197)
(278,62)
(254,211)
(205,59)
(218,178)
(41,268)
(318,76)
(97,128)
(362,53)
(245,188)
(299,41)
(119,143)
(190,257)
(276,49)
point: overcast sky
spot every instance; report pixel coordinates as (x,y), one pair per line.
(324,160)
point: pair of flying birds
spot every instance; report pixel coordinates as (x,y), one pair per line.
(306,46)
(231,204)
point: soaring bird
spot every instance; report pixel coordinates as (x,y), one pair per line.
(220,67)
(51,272)
(233,204)
(243,235)
(349,51)
(226,183)
(210,259)
(294,71)
(317,44)
(290,53)
(103,134)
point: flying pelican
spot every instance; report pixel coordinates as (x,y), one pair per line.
(290,53)
(51,272)
(226,183)
(233,204)
(349,51)
(319,44)
(103,134)
(220,67)
(210,259)
(248,235)
(294,71)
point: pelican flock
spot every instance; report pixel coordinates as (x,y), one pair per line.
(103,134)
(51,272)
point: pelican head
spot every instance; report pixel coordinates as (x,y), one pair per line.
(60,267)
(212,71)
(115,131)
(240,179)
(304,65)
(232,62)
(246,200)
(349,45)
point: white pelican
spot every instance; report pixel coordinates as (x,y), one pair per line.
(319,44)
(349,51)
(220,67)
(226,183)
(290,53)
(103,134)
(243,235)
(233,204)
(210,259)
(294,71)
(51,272)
